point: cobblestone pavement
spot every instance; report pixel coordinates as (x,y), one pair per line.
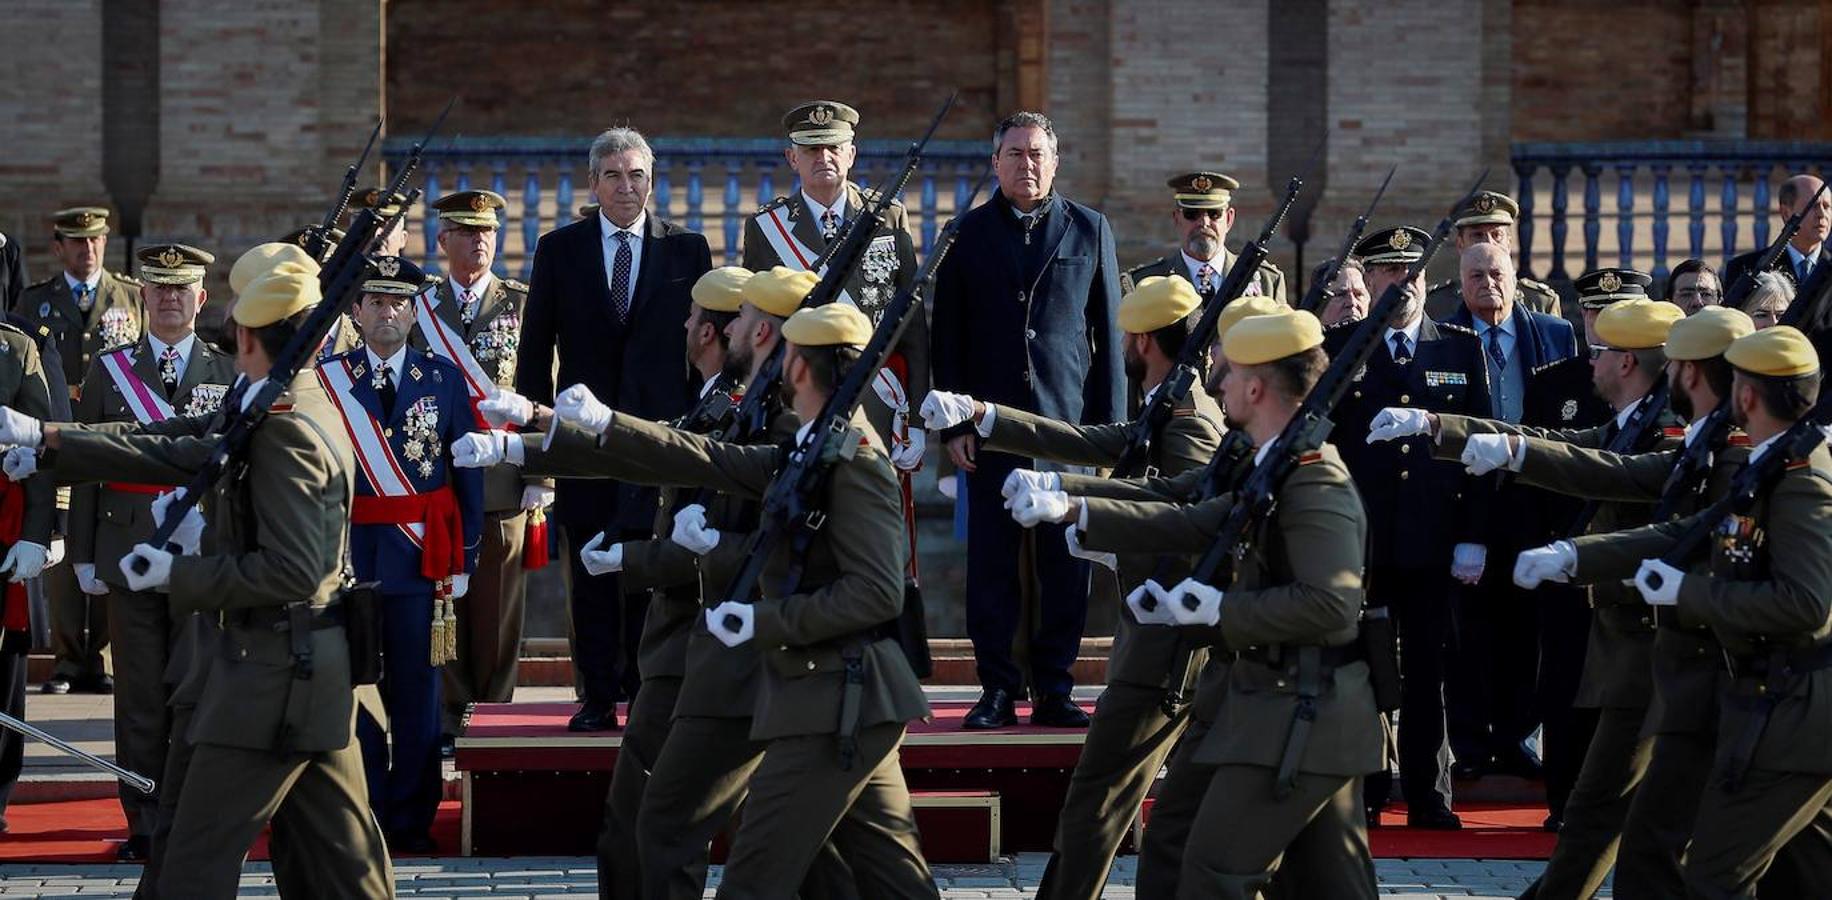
(573,876)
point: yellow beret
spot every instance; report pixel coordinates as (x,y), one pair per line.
(80,222)
(1707,333)
(1157,301)
(276,294)
(1255,305)
(1637,324)
(722,289)
(1778,352)
(474,208)
(1262,339)
(827,326)
(262,258)
(780,290)
(172,263)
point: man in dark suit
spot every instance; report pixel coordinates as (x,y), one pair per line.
(609,293)
(12,272)
(1490,694)
(1808,248)
(1024,316)
(1415,507)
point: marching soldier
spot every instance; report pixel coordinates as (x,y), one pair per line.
(415,528)
(1131,732)
(169,372)
(87,308)
(472,320)
(795,231)
(1203,214)
(272,726)
(1488,217)
(1275,798)
(27,509)
(1422,365)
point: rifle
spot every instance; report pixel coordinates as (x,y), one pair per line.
(316,240)
(713,409)
(1135,458)
(1737,293)
(1319,288)
(1645,417)
(339,281)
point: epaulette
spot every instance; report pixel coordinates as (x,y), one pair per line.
(870,195)
(779,201)
(1738,439)
(128,279)
(280,408)
(514,285)
(432,281)
(1673,431)
(44,283)
(6,326)
(1183,413)
(1553,364)
(1311,457)
(116,347)
(1266,265)
(1454,328)
(1799,464)
(1538,286)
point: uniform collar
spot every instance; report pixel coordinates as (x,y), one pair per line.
(1410,331)
(1623,416)
(1219,263)
(477,290)
(184,346)
(394,362)
(816,210)
(1756,452)
(94,281)
(248,393)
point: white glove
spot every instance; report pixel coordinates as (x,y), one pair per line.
(1029,479)
(1032,507)
(85,579)
(478,449)
(18,428)
(1467,561)
(577,405)
(1195,603)
(1557,561)
(57,553)
(1484,453)
(1110,560)
(601,562)
(158,568)
(907,453)
(535,497)
(25,560)
(948,487)
(1667,593)
(461,585)
(729,634)
(190,533)
(1398,422)
(1160,613)
(690,530)
(942,410)
(19,463)
(506,407)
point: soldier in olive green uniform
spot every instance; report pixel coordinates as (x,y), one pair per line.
(1488,217)
(1203,214)
(27,509)
(1133,728)
(273,731)
(87,308)
(1277,793)
(1628,363)
(480,324)
(169,372)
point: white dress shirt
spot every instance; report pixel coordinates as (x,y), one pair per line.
(482,287)
(394,362)
(184,350)
(94,283)
(636,230)
(1412,336)
(1219,264)
(816,210)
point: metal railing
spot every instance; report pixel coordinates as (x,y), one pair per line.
(710,185)
(1714,177)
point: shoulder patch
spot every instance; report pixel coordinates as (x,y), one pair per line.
(1314,456)
(127,279)
(1673,431)
(1799,464)
(278,408)
(515,285)
(1739,439)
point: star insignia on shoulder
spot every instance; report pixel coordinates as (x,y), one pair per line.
(515,285)
(779,201)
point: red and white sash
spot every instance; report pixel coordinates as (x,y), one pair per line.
(144,402)
(372,451)
(446,341)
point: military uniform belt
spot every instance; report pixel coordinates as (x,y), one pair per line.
(1285,656)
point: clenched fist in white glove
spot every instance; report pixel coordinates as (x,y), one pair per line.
(85,579)
(691,531)
(158,572)
(506,407)
(1031,479)
(1031,507)
(461,585)
(18,428)
(1658,583)
(1467,562)
(1195,603)
(19,463)
(1398,422)
(1557,561)
(190,533)
(907,451)
(1153,594)
(25,560)
(601,562)
(942,410)
(732,622)
(479,449)
(578,405)
(1484,453)
(535,497)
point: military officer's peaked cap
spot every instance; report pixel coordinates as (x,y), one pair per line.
(1399,245)
(1778,352)
(818,123)
(80,222)
(831,325)
(1486,208)
(261,258)
(779,290)
(395,276)
(474,208)
(1203,190)
(382,200)
(280,292)
(722,289)
(172,263)
(1157,301)
(1707,333)
(1263,339)
(1255,305)
(1602,287)
(1637,324)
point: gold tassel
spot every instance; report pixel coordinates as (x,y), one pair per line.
(451,628)
(441,637)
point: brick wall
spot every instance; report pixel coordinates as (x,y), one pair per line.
(50,98)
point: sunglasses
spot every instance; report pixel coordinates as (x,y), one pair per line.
(1597,350)
(1193,215)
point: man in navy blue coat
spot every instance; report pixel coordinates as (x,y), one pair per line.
(1023,316)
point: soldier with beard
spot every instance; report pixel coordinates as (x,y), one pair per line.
(1203,214)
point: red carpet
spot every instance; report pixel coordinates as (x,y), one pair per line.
(1490,831)
(89,831)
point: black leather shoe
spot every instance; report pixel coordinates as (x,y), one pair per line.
(994,710)
(1519,762)
(1058,711)
(1439,819)
(55,686)
(1467,771)
(134,849)
(594,718)
(100,684)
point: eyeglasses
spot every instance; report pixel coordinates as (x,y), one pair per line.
(1597,350)
(1192,215)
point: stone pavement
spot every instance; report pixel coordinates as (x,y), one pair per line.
(573,876)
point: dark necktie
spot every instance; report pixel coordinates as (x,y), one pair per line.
(1494,349)
(620,277)
(384,388)
(168,371)
(1402,352)
(1803,269)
